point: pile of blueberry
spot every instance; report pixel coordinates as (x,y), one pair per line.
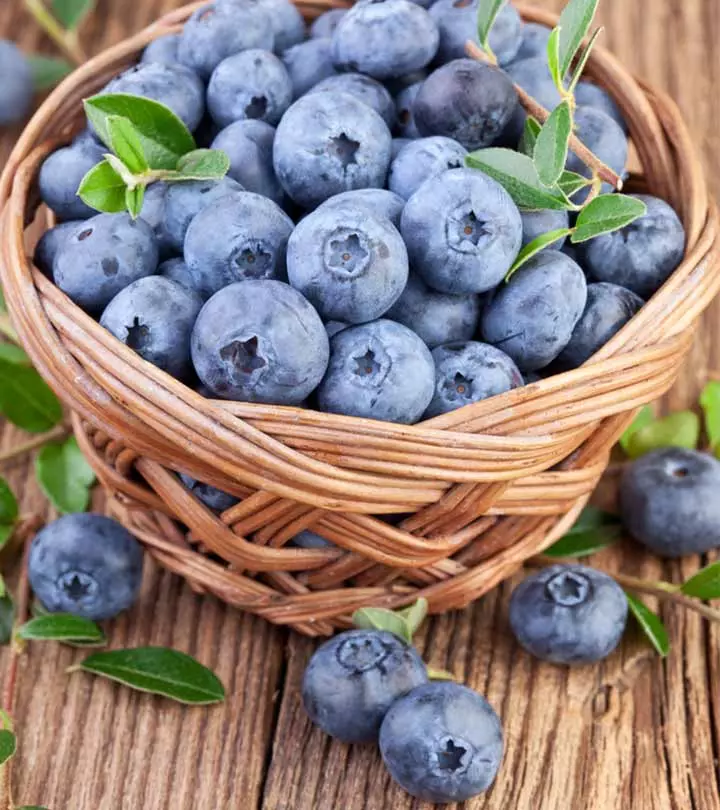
(350,262)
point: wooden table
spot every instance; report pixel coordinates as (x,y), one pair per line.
(633,733)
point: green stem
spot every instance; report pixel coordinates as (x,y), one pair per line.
(67,41)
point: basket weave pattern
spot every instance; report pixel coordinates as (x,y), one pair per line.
(474,492)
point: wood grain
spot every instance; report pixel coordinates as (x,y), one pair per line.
(633,732)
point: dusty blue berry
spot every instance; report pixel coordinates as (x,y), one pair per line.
(212,497)
(163,49)
(61,174)
(16,91)
(457,23)
(421,159)
(377,201)
(308,63)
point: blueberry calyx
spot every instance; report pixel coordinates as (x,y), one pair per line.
(361,654)
(453,754)
(568,589)
(138,335)
(244,355)
(465,230)
(347,253)
(343,149)
(77,585)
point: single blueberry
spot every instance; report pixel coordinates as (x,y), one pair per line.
(385,38)
(378,370)
(61,174)
(308,539)
(669,502)
(607,310)
(286,20)
(327,143)
(350,264)
(249,145)
(532,317)
(568,614)
(605,139)
(404,111)
(103,257)
(219,30)
(590,95)
(153,212)
(465,100)
(534,42)
(537,223)
(352,680)
(163,49)
(534,76)
(176,270)
(365,89)
(308,63)
(16,91)
(212,497)
(255,233)
(377,201)
(442,742)
(641,256)
(326,23)
(462,231)
(468,372)
(49,244)
(87,565)
(457,23)
(252,84)
(421,159)
(260,341)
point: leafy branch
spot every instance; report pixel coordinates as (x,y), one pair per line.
(61,22)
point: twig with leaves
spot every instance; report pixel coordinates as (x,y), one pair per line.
(61,21)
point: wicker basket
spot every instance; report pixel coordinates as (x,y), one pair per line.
(475,492)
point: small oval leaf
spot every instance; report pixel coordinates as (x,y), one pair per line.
(537,246)
(553,55)
(651,625)
(488,11)
(382,619)
(681,429)
(125,143)
(574,22)
(705,584)
(571,182)
(203,164)
(582,60)
(134,198)
(529,137)
(61,627)
(606,214)
(159,671)
(551,147)
(26,399)
(8,745)
(103,189)
(710,404)
(414,615)
(644,417)
(8,503)
(65,476)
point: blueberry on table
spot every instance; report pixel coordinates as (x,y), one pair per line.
(308,63)
(61,174)
(16,91)
(421,159)
(442,742)
(104,256)
(260,341)
(349,263)
(87,565)
(365,89)
(354,678)
(327,143)
(568,614)
(669,501)
(377,201)
(252,235)
(212,497)
(534,41)
(462,231)
(468,372)
(641,256)
(537,223)
(532,317)
(404,111)
(326,23)
(163,49)
(384,38)
(465,100)
(378,370)
(286,20)
(49,244)
(605,138)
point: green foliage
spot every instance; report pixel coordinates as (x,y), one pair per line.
(710,404)
(47,71)
(680,429)
(551,146)
(705,584)
(594,531)
(65,476)
(644,416)
(71,13)
(574,24)
(26,399)
(536,246)
(605,214)
(488,11)
(402,623)
(651,625)
(61,627)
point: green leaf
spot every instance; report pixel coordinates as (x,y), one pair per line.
(134,198)
(160,671)
(61,627)
(571,182)
(8,745)
(536,246)
(529,137)
(553,55)
(574,22)
(593,531)
(414,615)
(8,503)
(488,11)
(651,625)
(605,214)
(48,71)
(517,174)
(164,137)
(681,429)
(71,13)
(103,189)
(13,354)
(551,147)
(65,476)
(710,404)
(705,584)
(644,416)
(382,619)
(7,618)
(582,61)
(126,144)
(26,399)
(6,532)
(203,164)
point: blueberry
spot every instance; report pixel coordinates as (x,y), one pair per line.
(533,75)
(219,30)
(421,159)
(354,678)
(436,317)
(212,497)
(254,233)
(326,23)
(379,370)
(534,42)
(462,231)
(457,23)
(568,614)
(184,201)
(163,49)
(307,539)
(399,83)
(327,143)
(333,327)
(87,565)
(249,145)
(590,95)
(404,111)
(61,175)
(465,100)
(468,372)
(260,341)
(308,64)
(641,256)
(16,92)
(532,317)
(175,86)
(365,89)
(176,270)
(286,20)
(377,201)
(252,84)
(537,223)
(442,742)
(153,212)
(349,263)
(669,503)
(607,310)
(103,257)
(49,244)
(397,145)
(384,38)
(605,139)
